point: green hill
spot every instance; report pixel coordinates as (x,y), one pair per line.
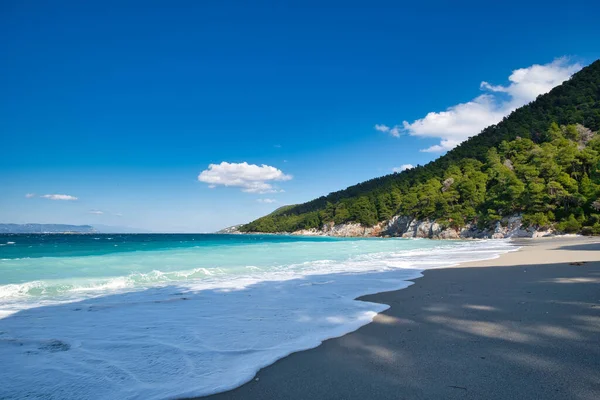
(541,161)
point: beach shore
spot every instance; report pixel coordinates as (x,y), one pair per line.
(523,326)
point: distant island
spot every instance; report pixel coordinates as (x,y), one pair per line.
(535,173)
(45,228)
(65,228)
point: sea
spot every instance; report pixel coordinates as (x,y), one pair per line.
(168,316)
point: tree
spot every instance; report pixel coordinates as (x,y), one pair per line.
(364,212)
(341,213)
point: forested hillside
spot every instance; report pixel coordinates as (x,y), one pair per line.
(542,161)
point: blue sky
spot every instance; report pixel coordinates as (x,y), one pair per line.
(122,105)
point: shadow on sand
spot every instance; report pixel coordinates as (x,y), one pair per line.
(580,247)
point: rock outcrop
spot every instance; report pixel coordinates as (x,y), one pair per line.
(352,229)
(407,227)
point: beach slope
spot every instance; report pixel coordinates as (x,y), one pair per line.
(523,326)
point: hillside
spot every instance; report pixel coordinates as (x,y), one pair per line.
(542,161)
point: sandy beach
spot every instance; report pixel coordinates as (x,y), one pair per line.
(522,326)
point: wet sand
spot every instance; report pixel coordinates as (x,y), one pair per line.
(523,326)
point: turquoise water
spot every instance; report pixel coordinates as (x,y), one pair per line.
(164,316)
(52,265)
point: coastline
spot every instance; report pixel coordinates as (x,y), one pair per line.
(523,325)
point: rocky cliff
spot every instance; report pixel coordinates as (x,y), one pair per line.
(401,226)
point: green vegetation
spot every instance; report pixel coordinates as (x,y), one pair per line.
(542,161)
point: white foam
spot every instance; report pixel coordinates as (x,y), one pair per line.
(200,336)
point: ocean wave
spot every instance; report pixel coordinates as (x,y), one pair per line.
(377,261)
(374,261)
(134,280)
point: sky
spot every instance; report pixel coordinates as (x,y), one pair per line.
(187,116)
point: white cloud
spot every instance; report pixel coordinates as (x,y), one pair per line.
(59,197)
(395,131)
(403,167)
(30,195)
(266,201)
(382,128)
(118,215)
(445,145)
(97,212)
(250,177)
(463,120)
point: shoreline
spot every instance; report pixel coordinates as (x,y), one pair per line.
(354,365)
